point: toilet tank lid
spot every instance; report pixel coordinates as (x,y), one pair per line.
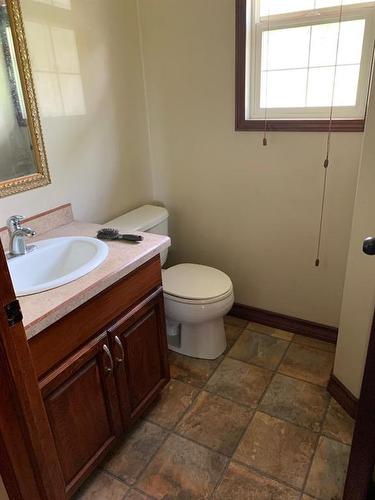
(140,219)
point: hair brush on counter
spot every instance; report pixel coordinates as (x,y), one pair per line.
(114,235)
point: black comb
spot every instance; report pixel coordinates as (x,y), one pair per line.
(112,234)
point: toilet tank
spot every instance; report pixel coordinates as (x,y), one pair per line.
(148,219)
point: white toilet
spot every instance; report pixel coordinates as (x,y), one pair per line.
(196,297)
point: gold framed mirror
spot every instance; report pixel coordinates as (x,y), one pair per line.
(23,160)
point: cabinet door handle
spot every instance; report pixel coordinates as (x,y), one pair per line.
(121,358)
(108,369)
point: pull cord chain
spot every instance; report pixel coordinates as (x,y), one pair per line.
(265,140)
(328,144)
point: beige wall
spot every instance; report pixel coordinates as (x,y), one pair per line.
(249,210)
(359,291)
(87,68)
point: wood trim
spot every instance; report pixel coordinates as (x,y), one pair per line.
(240,49)
(283,322)
(292,125)
(343,396)
(300,125)
(362,457)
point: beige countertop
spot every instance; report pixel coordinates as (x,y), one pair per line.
(42,309)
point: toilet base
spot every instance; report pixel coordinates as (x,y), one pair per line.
(203,340)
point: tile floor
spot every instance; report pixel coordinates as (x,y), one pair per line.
(255,424)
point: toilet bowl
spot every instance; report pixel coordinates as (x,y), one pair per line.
(196,297)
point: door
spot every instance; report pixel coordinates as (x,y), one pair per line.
(140,343)
(82,406)
(362,457)
(28,462)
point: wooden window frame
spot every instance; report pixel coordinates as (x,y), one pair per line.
(283,125)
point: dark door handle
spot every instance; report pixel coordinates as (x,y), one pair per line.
(369,246)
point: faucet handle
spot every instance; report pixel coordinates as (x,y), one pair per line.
(13,222)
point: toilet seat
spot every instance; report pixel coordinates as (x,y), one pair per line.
(194,283)
(198,302)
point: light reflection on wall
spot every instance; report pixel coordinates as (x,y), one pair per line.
(56,69)
(63,4)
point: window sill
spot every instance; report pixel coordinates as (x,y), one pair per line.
(300,125)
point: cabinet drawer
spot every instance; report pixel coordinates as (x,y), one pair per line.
(62,338)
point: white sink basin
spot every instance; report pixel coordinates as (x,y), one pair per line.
(55,262)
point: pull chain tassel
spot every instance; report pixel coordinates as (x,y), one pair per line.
(326,161)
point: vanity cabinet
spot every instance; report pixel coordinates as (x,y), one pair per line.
(100,367)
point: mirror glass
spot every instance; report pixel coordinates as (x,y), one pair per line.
(16,158)
(22,156)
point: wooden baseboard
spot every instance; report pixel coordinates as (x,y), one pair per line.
(283,322)
(343,396)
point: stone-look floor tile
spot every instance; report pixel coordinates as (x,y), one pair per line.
(215,422)
(259,349)
(192,370)
(306,363)
(239,483)
(318,344)
(174,400)
(182,469)
(102,486)
(296,401)
(136,495)
(338,424)
(232,320)
(278,448)
(239,382)
(232,332)
(128,461)
(269,330)
(328,471)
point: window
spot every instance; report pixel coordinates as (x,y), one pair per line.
(294,60)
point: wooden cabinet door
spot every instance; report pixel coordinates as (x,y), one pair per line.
(140,346)
(82,406)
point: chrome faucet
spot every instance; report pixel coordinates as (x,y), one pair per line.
(18,235)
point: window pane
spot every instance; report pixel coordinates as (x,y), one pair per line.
(346,85)
(320,83)
(272,7)
(283,89)
(351,42)
(324,43)
(287,48)
(319,90)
